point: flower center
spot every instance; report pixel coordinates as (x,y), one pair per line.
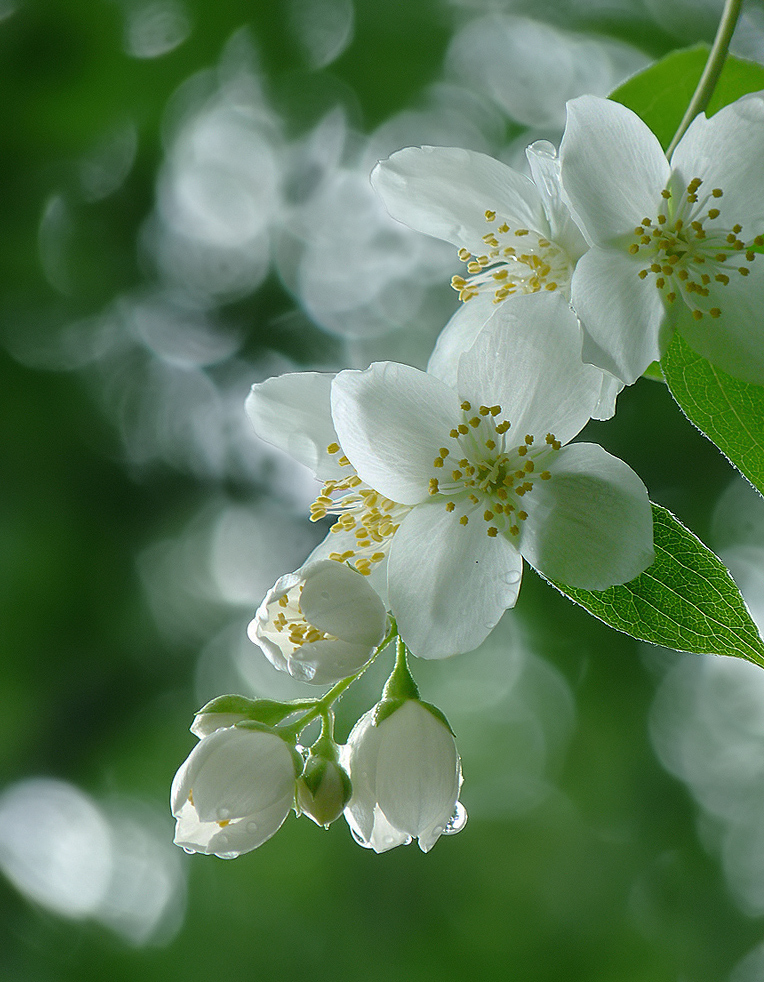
(517,261)
(485,472)
(287,627)
(691,252)
(369,516)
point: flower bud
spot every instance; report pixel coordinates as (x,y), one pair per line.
(233,791)
(406,776)
(323,790)
(321,623)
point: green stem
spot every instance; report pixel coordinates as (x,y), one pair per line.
(711,72)
(321,706)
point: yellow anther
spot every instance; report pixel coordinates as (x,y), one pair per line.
(545,475)
(462,428)
(463,520)
(488,515)
(642,273)
(514,529)
(438,462)
(502,427)
(493,531)
(443,451)
(671,297)
(450,506)
(522,450)
(522,515)
(466,406)
(717,192)
(639,230)
(333,448)
(343,461)
(713,212)
(529,467)
(665,193)
(457,475)
(490,444)
(697,314)
(454,433)
(743,270)
(474,422)
(715,312)
(634,249)
(490,216)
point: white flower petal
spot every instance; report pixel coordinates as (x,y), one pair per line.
(292,412)
(391,419)
(326,662)
(590,525)
(446,191)
(449,584)
(237,772)
(339,601)
(613,168)
(344,540)
(611,387)
(623,317)
(726,151)
(417,770)
(733,341)
(458,335)
(527,359)
(545,170)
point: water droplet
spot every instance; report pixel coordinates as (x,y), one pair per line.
(303,671)
(226,855)
(189,850)
(457,821)
(359,838)
(251,827)
(512,577)
(223,814)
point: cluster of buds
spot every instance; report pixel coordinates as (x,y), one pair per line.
(396,779)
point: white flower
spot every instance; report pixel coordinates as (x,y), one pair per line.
(293,412)
(406,776)
(320,624)
(516,235)
(673,244)
(486,480)
(233,791)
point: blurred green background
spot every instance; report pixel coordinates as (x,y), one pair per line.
(186,211)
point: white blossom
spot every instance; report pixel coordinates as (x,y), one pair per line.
(673,243)
(515,235)
(485,479)
(233,791)
(321,623)
(406,776)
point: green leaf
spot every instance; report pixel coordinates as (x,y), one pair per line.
(729,412)
(661,93)
(686,600)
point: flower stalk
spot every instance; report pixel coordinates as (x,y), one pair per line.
(712,71)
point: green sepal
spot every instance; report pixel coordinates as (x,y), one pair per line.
(266,711)
(386,707)
(685,600)
(322,790)
(728,411)
(660,93)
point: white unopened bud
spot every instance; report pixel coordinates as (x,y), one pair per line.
(233,791)
(321,623)
(406,776)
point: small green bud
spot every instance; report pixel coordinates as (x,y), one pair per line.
(323,789)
